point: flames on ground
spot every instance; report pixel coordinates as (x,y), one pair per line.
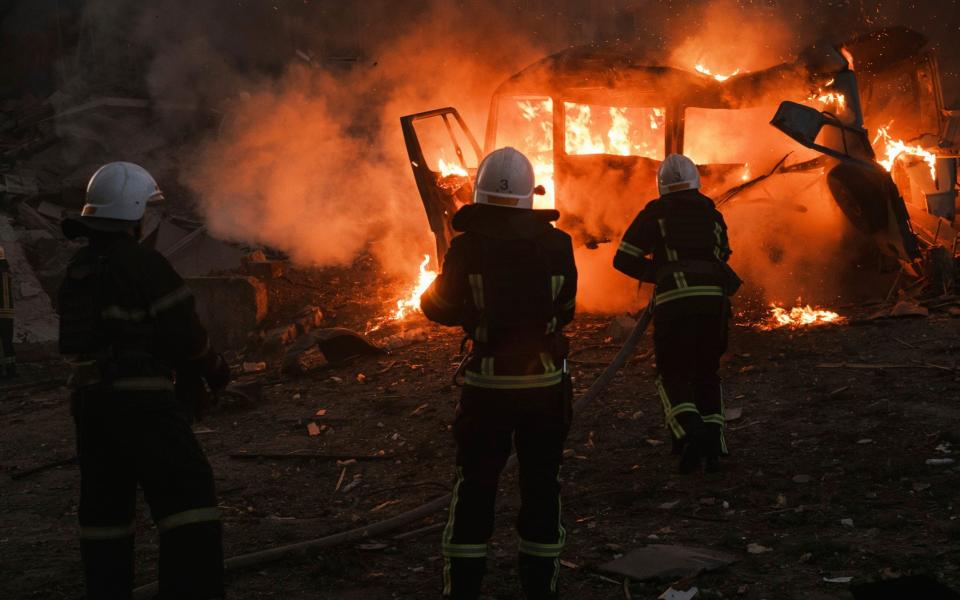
(411,302)
(799,316)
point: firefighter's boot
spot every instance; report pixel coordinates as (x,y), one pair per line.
(538,576)
(108,563)
(462,577)
(191,562)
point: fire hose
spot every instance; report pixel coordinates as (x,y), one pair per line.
(424,510)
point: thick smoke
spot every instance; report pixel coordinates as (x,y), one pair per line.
(313,162)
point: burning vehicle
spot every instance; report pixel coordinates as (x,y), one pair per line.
(861,124)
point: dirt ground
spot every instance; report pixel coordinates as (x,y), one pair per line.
(828,468)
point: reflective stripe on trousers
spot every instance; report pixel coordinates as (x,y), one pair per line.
(105,532)
(188,517)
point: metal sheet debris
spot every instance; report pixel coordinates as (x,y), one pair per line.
(664,562)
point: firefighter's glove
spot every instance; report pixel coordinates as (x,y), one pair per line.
(218,374)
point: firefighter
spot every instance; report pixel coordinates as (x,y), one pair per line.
(509,280)
(8,362)
(128,327)
(686,238)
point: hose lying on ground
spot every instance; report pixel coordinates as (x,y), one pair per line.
(424,510)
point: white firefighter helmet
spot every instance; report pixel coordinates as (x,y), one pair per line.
(505,178)
(117,196)
(677,173)
(120,190)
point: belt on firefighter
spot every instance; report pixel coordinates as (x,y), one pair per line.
(143,384)
(86,378)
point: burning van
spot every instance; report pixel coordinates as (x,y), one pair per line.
(862,123)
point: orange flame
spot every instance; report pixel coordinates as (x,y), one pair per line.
(705,71)
(623,137)
(411,303)
(624,131)
(446,169)
(894,149)
(830,98)
(799,316)
(539,148)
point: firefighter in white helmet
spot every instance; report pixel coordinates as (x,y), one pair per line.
(509,280)
(685,238)
(128,327)
(8,360)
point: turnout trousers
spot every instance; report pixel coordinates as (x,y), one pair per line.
(136,437)
(8,361)
(488,422)
(688,350)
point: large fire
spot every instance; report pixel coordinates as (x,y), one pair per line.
(613,130)
(539,147)
(799,316)
(894,149)
(411,303)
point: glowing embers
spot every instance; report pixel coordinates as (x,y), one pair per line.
(799,316)
(411,303)
(619,131)
(894,149)
(705,71)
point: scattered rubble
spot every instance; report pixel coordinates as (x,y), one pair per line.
(247,299)
(620,328)
(36,324)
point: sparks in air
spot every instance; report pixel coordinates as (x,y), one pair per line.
(705,71)
(894,149)
(799,316)
(411,303)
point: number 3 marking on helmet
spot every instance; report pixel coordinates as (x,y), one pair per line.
(504,185)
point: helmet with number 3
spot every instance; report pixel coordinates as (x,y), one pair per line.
(505,178)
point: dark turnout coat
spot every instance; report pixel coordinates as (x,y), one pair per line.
(510,281)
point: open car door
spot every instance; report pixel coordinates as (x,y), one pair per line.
(444,156)
(863,190)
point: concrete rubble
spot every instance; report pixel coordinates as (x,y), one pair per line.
(36,322)
(247,299)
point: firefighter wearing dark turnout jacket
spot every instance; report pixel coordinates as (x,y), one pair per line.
(128,326)
(8,360)
(510,281)
(687,238)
